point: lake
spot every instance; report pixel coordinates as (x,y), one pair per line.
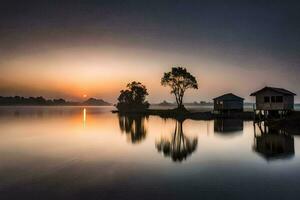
(91,153)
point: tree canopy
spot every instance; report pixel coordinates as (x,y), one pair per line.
(133,98)
(179,80)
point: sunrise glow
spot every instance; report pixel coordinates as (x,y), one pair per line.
(140,99)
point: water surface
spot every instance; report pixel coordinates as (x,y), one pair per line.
(90,153)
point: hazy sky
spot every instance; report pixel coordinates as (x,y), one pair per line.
(71,48)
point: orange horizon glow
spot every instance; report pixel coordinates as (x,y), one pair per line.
(74,73)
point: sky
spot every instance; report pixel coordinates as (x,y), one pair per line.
(74,48)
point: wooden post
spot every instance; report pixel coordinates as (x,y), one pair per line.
(259,115)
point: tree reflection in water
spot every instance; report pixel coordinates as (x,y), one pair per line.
(179,146)
(133,126)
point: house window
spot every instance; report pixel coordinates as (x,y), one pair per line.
(273,99)
(279,99)
(267,99)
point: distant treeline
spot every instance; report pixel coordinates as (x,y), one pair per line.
(195,103)
(17,100)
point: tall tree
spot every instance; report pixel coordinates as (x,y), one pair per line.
(179,80)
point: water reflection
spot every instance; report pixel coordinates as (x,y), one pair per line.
(228,126)
(38,155)
(50,111)
(134,126)
(84,118)
(178,147)
(273,143)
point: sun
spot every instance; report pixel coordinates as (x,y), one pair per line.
(84,96)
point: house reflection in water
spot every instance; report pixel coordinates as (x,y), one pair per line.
(134,126)
(228,126)
(178,147)
(273,143)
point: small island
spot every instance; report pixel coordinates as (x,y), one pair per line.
(165,103)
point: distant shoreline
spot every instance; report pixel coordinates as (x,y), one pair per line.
(41,101)
(18,105)
(204,115)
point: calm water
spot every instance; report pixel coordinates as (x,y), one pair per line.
(90,153)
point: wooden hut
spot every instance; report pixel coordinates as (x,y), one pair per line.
(274,99)
(228,102)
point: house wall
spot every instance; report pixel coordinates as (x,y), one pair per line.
(228,105)
(287,104)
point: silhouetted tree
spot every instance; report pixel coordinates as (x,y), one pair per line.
(179,80)
(40,100)
(17,100)
(59,101)
(133,126)
(179,146)
(133,98)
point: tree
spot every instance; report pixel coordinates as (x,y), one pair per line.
(179,80)
(133,98)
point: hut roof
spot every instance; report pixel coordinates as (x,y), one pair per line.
(279,90)
(229,97)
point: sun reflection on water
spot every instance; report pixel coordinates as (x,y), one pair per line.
(84,118)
